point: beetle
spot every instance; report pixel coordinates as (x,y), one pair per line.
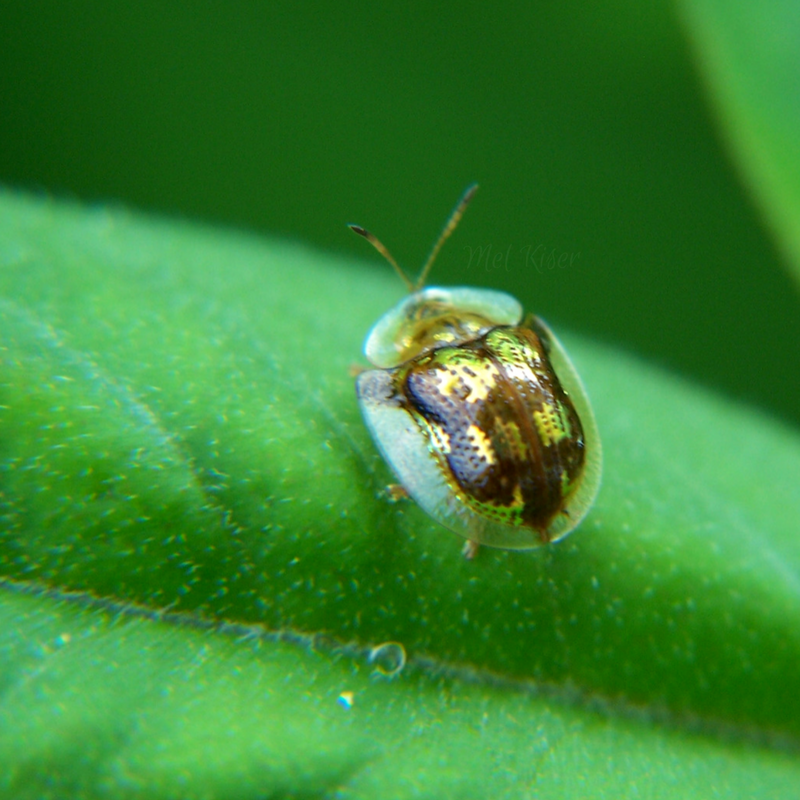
(478,411)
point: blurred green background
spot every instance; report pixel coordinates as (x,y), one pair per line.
(587,125)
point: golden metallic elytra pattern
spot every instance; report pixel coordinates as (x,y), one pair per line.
(503,429)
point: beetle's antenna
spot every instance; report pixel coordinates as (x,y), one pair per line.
(375,242)
(449,227)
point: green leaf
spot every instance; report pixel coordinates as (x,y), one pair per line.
(750,56)
(96,704)
(198,558)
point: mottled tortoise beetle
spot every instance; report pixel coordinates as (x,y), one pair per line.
(479,412)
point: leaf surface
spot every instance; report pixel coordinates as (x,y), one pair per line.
(198,557)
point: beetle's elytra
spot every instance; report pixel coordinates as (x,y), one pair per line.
(479,412)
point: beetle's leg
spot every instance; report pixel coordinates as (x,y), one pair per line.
(396,492)
(354,370)
(470,549)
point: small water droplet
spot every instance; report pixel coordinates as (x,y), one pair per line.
(389,658)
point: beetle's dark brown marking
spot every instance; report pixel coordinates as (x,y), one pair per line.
(508,437)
